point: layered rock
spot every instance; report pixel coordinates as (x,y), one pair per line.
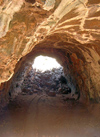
(66,29)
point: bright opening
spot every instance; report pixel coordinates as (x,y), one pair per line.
(43,63)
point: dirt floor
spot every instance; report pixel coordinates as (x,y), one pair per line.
(45,116)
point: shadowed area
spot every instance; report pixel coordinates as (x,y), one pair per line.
(30,1)
(43,116)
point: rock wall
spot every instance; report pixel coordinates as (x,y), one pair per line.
(69,29)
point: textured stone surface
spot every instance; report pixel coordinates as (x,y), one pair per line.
(69,29)
(50,82)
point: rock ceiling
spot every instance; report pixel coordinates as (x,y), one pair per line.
(72,26)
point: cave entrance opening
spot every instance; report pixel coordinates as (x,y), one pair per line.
(44,77)
(44,63)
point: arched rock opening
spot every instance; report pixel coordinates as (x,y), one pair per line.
(62,30)
(76,61)
(68,30)
(51,82)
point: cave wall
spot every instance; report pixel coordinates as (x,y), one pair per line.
(72,27)
(17,80)
(77,71)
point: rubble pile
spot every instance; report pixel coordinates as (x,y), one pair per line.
(50,82)
(39,82)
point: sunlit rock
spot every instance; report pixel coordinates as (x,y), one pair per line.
(66,29)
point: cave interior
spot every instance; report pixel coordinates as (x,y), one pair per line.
(61,102)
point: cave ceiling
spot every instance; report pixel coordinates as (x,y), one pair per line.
(71,25)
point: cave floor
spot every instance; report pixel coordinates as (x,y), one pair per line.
(44,116)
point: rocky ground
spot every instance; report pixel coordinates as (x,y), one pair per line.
(45,116)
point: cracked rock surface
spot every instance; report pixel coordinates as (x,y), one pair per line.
(66,29)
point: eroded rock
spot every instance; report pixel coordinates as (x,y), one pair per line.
(66,29)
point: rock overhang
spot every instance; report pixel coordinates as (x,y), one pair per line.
(69,29)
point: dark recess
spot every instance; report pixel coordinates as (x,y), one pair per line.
(30,1)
